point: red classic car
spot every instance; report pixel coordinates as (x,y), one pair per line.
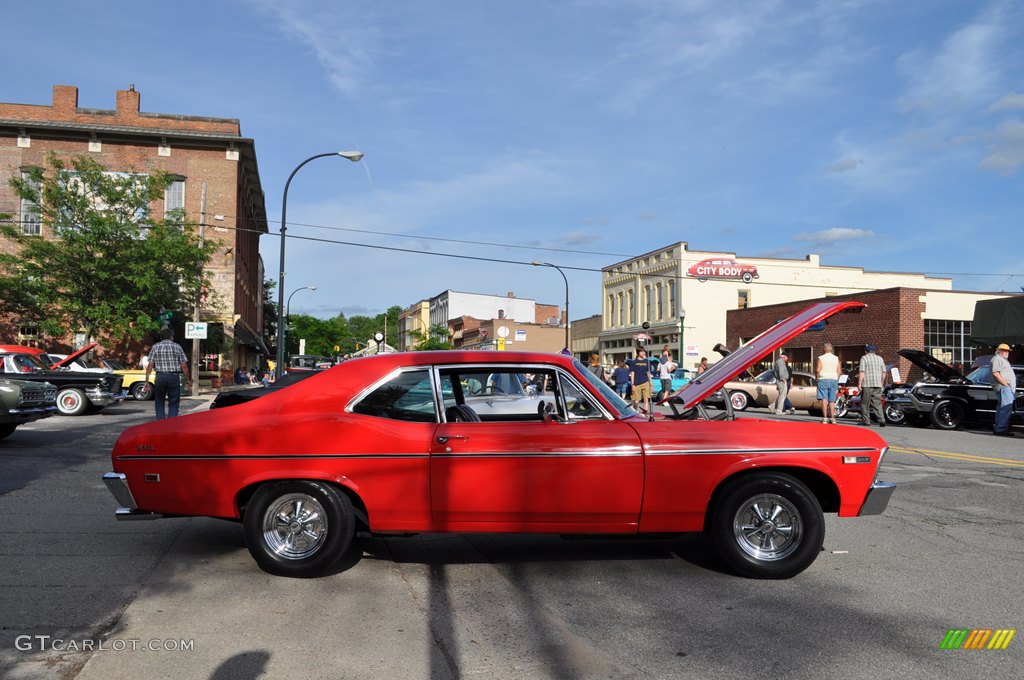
(457,442)
(722,269)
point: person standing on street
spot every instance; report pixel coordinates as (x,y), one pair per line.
(826,370)
(640,379)
(168,359)
(871,380)
(782,377)
(665,370)
(1004,381)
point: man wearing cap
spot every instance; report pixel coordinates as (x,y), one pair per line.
(1004,381)
(782,376)
(871,380)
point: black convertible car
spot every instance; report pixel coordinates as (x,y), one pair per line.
(952,399)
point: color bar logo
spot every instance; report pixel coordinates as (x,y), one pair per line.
(978,638)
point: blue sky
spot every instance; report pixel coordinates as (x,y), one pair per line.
(884,135)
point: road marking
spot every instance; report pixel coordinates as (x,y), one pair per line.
(961,456)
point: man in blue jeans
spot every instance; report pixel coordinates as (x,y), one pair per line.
(168,359)
(1004,381)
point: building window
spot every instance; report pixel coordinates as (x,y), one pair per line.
(672,299)
(743,301)
(949,342)
(174,200)
(648,304)
(661,301)
(632,308)
(611,310)
(622,314)
(28,332)
(31,225)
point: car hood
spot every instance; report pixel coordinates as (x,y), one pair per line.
(736,362)
(67,361)
(932,366)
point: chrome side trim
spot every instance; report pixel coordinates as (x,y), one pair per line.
(723,452)
(128,514)
(279,456)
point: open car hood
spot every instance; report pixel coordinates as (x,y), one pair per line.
(740,360)
(67,361)
(929,364)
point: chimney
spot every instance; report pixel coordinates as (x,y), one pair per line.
(511,294)
(65,99)
(128,103)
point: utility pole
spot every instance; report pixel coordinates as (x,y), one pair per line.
(199,293)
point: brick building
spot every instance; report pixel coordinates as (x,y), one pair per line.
(938,322)
(198,151)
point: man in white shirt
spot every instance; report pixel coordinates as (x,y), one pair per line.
(826,370)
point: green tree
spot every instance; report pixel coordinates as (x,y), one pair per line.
(110,266)
(437,339)
(270,315)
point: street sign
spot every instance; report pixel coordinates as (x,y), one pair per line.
(195,330)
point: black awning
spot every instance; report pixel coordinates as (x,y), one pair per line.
(245,336)
(1000,320)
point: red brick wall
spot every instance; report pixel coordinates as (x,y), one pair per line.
(892,320)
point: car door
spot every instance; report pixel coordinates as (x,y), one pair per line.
(578,469)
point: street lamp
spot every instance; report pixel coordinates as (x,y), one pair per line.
(548,264)
(682,347)
(288,312)
(350,155)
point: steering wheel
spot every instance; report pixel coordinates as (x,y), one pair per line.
(492,389)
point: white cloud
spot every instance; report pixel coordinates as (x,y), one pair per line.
(844,165)
(834,235)
(1007,153)
(964,70)
(1010,101)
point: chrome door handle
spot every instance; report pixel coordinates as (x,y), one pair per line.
(444,440)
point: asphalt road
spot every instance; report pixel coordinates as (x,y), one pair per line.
(182,598)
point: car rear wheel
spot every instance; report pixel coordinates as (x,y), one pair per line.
(947,415)
(142,391)
(298,528)
(72,402)
(747,277)
(739,400)
(894,415)
(768,525)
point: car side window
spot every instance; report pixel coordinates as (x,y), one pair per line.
(496,393)
(408,396)
(577,403)
(802,380)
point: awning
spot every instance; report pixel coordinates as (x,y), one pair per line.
(246,336)
(999,320)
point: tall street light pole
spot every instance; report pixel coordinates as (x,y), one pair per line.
(353,156)
(548,264)
(288,310)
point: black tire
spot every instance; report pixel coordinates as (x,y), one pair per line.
(142,391)
(767,525)
(747,277)
(740,400)
(894,416)
(947,415)
(7,429)
(298,528)
(72,402)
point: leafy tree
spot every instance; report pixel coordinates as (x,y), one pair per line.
(269,315)
(111,267)
(437,339)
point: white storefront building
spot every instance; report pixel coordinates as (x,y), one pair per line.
(660,287)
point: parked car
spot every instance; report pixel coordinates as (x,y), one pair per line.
(308,362)
(24,401)
(717,268)
(763,391)
(77,392)
(393,444)
(952,399)
(680,377)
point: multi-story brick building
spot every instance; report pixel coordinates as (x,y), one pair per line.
(199,151)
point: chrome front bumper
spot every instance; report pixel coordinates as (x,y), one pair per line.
(877,499)
(117,484)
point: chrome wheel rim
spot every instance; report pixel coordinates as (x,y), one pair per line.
(739,401)
(295,526)
(893,414)
(947,414)
(768,527)
(69,401)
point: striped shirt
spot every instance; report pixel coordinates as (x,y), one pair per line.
(167,357)
(873,368)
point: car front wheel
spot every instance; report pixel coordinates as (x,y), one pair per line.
(739,400)
(894,415)
(298,528)
(947,415)
(141,391)
(72,402)
(768,525)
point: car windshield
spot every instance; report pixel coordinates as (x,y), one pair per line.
(624,410)
(22,363)
(113,365)
(766,376)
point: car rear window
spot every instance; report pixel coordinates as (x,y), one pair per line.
(407,396)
